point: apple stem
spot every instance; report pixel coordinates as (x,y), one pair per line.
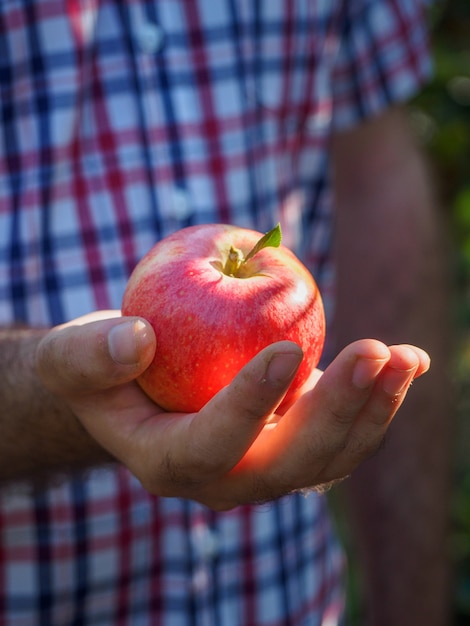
(235,259)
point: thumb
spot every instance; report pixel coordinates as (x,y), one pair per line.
(95,356)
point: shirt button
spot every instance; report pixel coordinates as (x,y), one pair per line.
(151,38)
(318,121)
(180,204)
(205,542)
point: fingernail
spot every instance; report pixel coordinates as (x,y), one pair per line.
(125,340)
(366,371)
(282,367)
(395,381)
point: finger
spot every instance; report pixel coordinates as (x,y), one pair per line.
(312,444)
(322,417)
(424,360)
(216,438)
(368,431)
(95,356)
(293,453)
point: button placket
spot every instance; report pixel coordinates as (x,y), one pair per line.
(151,38)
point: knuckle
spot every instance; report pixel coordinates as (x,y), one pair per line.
(179,477)
(248,409)
(360,447)
(205,463)
(173,478)
(320,449)
(253,413)
(343,417)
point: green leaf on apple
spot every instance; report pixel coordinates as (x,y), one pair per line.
(272,239)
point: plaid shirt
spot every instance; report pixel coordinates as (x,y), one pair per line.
(121,122)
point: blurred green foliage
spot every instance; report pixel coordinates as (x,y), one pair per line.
(443,114)
(445,121)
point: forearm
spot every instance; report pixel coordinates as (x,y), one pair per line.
(393,284)
(41,438)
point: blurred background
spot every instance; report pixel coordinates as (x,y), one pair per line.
(442,117)
(442,113)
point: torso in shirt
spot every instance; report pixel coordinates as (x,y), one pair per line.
(120,123)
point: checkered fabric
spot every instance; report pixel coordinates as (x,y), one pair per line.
(119,123)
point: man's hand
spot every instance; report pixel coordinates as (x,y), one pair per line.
(236,450)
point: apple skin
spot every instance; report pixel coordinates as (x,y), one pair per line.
(208,325)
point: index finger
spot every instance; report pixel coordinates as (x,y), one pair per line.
(293,453)
(215,439)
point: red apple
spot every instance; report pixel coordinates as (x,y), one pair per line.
(215,296)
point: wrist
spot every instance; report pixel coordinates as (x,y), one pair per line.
(41,436)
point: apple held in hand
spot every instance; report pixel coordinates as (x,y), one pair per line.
(215,296)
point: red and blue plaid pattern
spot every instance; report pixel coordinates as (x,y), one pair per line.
(119,123)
